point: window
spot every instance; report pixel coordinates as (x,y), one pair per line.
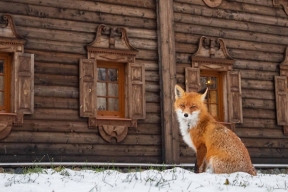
(16,78)
(112,84)
(111,89)
(5,82)
(214,97)
(212,67)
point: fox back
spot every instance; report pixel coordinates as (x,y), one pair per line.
(217,148)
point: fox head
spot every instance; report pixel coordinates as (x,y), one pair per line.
(189,105)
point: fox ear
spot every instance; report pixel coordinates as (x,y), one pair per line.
(179,92)
(204,94)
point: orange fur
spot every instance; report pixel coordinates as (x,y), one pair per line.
(218,149)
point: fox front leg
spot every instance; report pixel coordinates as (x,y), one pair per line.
(200,165)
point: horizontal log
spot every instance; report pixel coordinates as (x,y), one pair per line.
(76,149)
(73,103)
(258,104)
(34,23)
(276,133)
(229,34)
(56,91)
(256,75)
(55,68)
(257,94)
(235,15)
(257,114)
(149,4)
(80,127)
(256,84)
(259,123)
(265,143)
(250,6)
(76,138)
(56,57)
(57,80)
(230,24)
(86,6)
(77,15)
(79,158)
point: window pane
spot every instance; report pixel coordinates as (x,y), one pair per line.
(213,97)
(1,83)
(101,104)
(203,82)
(112,75)
(213,82)
(101,74)
(213,110)
(1,98)
(101,89)
(113,104)
(1,66)
(113,90)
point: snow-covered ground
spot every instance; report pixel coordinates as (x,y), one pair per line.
(174,180)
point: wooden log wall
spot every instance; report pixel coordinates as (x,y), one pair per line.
(57,33)
(255,33)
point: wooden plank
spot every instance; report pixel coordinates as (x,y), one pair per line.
(88,6)
(150,4)
(56,69)
(237,16)
(258,103)
(56,91)
(257,132)
(256,84)
(168,71)
(56,25)
(268,152)
(257,94)
(79,158)
(57,80)
(230,24)
(259,123)
(76,15)
(258,113)
(80,127)
(76,138)
(265,143)
(83,149)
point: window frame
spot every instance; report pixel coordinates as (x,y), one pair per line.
(220,92)
(111,44)
(6,108)
(212,55)
(121,89)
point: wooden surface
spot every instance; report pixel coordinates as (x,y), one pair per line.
(57,33)
(256,37)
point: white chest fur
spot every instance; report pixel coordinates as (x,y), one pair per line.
(186,124)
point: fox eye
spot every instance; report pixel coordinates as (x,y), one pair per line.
(193,107)
(182,105)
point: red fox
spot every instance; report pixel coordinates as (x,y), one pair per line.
(218,149)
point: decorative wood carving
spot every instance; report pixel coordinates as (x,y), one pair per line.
(6,121)
(212,3)
(108,132)
(284,4)
(10,40)
(111,44)
(284,64)
(212,54)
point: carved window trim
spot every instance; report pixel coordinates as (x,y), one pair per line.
(212,55)
(112,44)
(22,77)
(281,94)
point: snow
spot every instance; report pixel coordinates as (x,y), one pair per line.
(174,180)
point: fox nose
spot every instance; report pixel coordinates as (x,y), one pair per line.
(185,115)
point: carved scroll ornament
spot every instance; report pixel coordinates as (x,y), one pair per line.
(108,132)
(212,3)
